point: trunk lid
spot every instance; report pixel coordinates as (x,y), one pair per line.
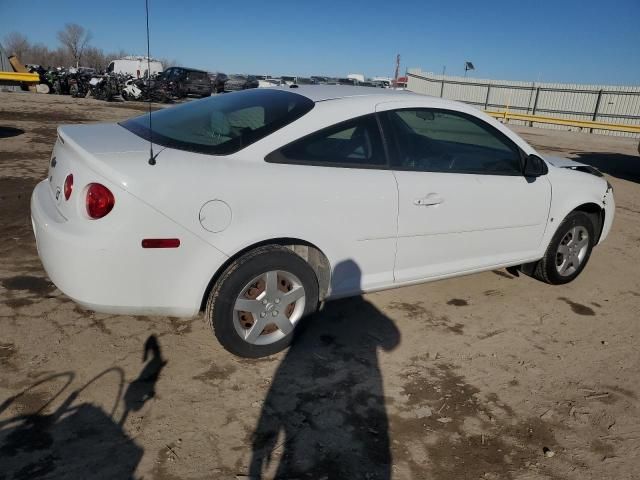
(81,150)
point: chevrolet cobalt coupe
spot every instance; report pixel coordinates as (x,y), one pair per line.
(258,205)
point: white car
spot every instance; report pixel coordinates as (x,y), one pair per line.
(258,205)
(269,83)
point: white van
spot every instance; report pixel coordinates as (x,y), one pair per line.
(136,66)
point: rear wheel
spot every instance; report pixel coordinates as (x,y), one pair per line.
(568,252)
(257,302)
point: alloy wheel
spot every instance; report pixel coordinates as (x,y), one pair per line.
(572,250)
(268,307)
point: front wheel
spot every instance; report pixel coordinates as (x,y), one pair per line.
(260,298)
(569,250)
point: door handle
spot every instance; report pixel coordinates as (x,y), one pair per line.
(431,199)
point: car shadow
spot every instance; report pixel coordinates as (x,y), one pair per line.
(324,415)
(626,167)
(78,439)
(7,132)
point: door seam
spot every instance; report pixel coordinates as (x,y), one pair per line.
(395,253)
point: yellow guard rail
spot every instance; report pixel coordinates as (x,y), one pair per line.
(617,127)
(19,77)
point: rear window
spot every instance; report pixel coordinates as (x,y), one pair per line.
(222,124)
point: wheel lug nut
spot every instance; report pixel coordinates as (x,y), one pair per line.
(277,300)
(264,302)
(275,313)
(262,315)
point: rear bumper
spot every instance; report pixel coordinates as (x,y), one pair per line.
(112,273)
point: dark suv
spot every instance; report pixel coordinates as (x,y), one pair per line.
(181,82)
(218,79)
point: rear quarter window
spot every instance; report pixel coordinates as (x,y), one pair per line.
(355,143)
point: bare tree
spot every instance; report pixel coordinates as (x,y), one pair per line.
(75,39)
(168,62)
(116,55)
(94,58)
(17,44)
(38,54)
(75,49)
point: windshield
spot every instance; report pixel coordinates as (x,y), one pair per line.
(221,124)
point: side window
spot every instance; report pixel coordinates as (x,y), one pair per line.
(445,141)
(354,143)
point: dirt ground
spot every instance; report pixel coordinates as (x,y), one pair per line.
(490,376)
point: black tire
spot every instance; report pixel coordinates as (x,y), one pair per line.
(219,308)
(546,270)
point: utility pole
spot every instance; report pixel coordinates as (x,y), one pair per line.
(395,78)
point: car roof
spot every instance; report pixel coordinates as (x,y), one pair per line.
(190,69)
(321,93)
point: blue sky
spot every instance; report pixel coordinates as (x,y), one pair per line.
(566,41)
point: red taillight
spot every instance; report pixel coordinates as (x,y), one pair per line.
(161,243)
(68,186)
(100,200)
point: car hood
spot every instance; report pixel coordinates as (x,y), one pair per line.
(562,162)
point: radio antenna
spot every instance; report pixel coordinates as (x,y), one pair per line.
(152,157)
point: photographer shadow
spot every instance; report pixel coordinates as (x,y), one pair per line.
(77,439)
(324,415)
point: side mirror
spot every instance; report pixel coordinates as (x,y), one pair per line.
(534,166)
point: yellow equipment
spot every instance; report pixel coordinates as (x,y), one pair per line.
(19,76)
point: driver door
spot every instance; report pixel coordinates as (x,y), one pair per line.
(464,204)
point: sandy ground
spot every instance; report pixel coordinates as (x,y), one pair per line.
(474,377)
